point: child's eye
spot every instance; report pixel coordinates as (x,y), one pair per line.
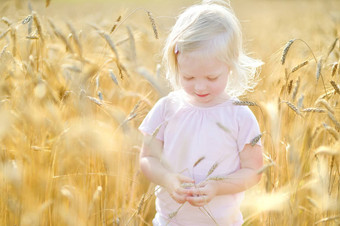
(188,78)
(212,79)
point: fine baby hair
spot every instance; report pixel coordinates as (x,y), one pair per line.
(212,30)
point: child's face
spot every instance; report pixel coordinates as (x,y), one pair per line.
(203,78)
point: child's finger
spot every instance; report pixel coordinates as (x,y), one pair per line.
(178,198)
(197,200)
(185,179)
(196,191)
(181,191)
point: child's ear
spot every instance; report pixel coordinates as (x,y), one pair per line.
(176,50)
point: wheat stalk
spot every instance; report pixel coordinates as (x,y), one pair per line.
(38,25)
(326,219)
(155,132)
(14,40)
(3,51)
(115,24)
(134,110)
(265,167)
(245,103)
(290,85)
(323,96)
(3,34)
(61,36)
(225,129)
(325,150)
(140,205)
(110,43)
(325,104)
(121,68)
(255,139)
(173,214)
(187,185)
(208,214)
(76,39)
(100,95)
(217,178)
(198,161)
(95,100)
(299,66)
(335,86)
(7,21)
(334,68)
(212,169)
(332,131)
(331,48)
(292,106)
(132,45)
(32,37)
(297,85)
(113,77)
(152,21)
(118,43)
(318,110)
(333,119)
(285,51)
(318,69)
(97,82)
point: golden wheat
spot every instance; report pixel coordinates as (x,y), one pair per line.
(335,86)
(334,68)
(153,24)
(198,161)
(293,107)
(115,24)
(325,104)
(297,67)
(245,103)
(285,50)
(38,25)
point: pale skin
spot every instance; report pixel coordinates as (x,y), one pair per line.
(204,81)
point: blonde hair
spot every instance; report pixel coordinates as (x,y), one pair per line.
(211,28)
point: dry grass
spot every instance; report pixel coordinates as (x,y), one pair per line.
(68,124)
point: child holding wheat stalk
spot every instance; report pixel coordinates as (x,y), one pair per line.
(198,146)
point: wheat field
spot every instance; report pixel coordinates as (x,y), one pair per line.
(78,77)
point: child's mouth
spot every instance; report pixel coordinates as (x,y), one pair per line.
(202,95)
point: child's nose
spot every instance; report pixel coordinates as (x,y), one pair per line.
(199,86)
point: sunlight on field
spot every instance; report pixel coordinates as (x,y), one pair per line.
(76,80)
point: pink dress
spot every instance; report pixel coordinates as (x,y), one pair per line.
(189,132)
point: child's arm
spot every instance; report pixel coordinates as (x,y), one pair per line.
(153,168)
(247,176)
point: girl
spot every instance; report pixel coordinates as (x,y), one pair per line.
(199,146)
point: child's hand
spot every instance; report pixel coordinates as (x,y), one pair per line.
(175,188)
(202,194)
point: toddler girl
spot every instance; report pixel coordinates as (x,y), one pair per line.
(198,145)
